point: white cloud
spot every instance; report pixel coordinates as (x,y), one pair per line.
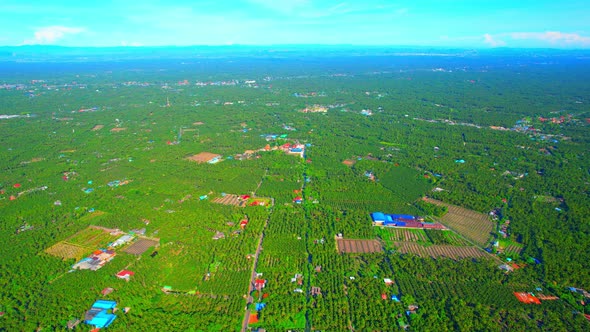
(554,37)
(283,6)
(51,34)
(492,41)
(130,44)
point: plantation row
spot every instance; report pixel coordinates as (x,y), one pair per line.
(436,251)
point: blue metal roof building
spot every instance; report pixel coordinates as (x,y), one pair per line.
(378,216)
(99,314)
(391,218)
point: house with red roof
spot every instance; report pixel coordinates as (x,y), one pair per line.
(243,223)
(259,284)
(125,274)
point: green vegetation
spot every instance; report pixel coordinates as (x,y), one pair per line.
(431,133)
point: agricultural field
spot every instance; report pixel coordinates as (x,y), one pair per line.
(57,134)
(513,249)
(440,251)
(473,225)
(66,250)
(358,246)
(405,235)
(83,242)
(229,199)
(141,245)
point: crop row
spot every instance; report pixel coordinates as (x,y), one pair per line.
(436,251)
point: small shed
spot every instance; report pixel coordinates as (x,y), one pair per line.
(107,291)
(73,323)
(316,291)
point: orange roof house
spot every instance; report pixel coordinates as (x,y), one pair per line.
(253,319)
(526,298)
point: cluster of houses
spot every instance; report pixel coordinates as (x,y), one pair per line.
(100,257)
(403,221)
(314,109)
(295,149)
(504,229)
(117,183)
(96,260)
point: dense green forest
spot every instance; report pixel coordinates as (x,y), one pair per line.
(107,144)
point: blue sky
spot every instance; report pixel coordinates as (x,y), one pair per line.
(451,23)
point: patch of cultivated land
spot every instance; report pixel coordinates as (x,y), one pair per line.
(203,157)
(81,243)
(436,251)
(358,246)
(67,250)
(513,249)
(228,200)
(408,235)
(471,224)
(141,246)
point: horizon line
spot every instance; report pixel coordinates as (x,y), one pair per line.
(392,46)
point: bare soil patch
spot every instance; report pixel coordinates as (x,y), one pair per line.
(140,246)
(203,157)
(358,246)
(229,200)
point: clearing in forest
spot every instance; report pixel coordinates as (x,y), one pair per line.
(358,246)
(81,243)
(67,250)
(473,225)
(204,157)
(229,200)
(141,246)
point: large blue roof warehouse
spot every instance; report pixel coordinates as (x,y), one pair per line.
(99,314)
